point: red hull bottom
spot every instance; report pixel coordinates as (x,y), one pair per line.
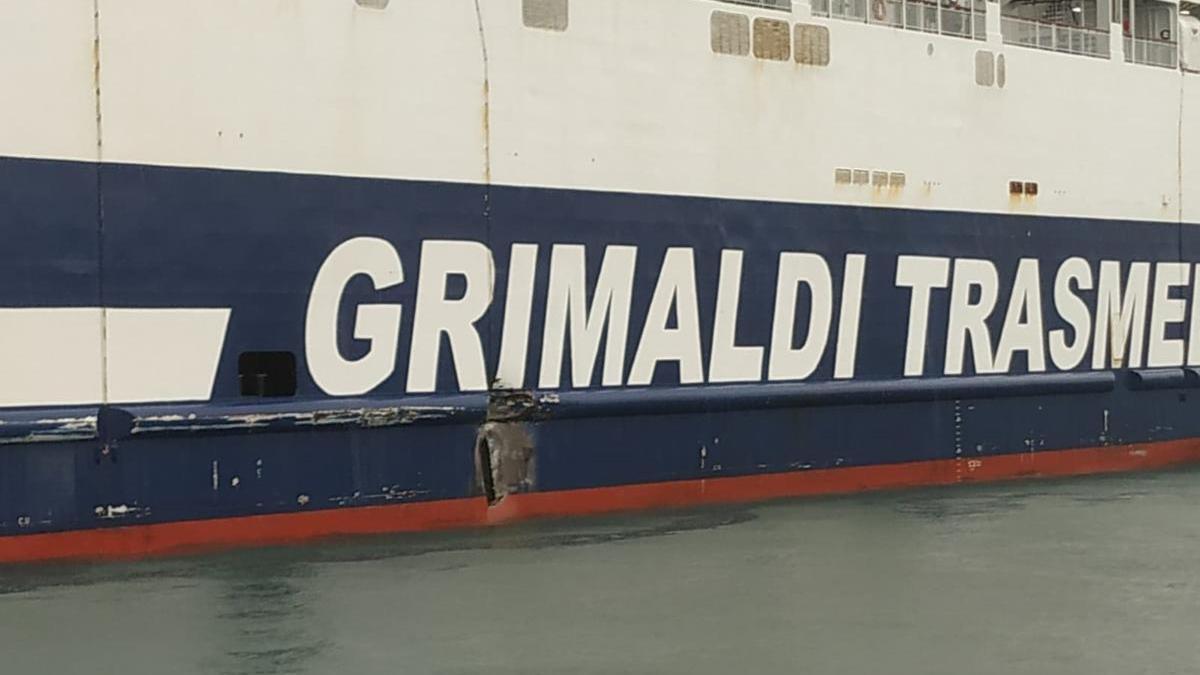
(245,531)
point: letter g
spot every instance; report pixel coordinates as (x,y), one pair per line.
(379,324)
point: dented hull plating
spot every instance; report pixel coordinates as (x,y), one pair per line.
(895,392)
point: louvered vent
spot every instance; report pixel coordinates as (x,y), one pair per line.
(730,33)
(812,44)
(772,39)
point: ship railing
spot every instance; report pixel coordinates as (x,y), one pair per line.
(919,15)
(957,22)
(855,10)
(1054,36)
(785,5)
(1163,53)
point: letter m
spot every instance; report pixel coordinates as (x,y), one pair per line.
(1120,321)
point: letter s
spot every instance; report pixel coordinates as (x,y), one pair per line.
(379,324)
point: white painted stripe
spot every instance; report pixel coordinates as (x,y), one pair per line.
(51,355)
(163,354)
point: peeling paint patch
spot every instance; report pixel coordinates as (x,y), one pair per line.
(386,494)
(46,430)
(281,420)
(120,511)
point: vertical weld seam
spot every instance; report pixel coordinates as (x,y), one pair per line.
(100,202)
(487,144)
(1179,169)
(487,107)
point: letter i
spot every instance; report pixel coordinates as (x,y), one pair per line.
(848,316)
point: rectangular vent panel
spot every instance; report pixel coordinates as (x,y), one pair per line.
(730,33)
(812,44)
(772,39)
(985,68)
(545,14)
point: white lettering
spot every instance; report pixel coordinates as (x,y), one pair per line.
(567,298)
(1121,320)
(435,315)
(676,287)
(922,274)
(848,316)
(1194,330)
(1074,311)
(968,320)
(518,306)
(787,363)
(379,323)
(729,362)
(1023,327)
(1165,310)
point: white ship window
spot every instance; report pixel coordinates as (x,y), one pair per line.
(372,4)
(862,176)
(730,33)
(896,179)
(841,176)
(545,14)
(812,44)
(267,373)
(772,39)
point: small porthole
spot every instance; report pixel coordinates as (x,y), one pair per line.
(267,374)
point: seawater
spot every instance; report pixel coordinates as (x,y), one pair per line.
(1090,576)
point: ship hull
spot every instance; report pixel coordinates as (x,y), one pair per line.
(486,419)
